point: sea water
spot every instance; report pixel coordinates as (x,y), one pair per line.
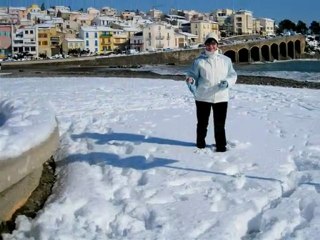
(301,70)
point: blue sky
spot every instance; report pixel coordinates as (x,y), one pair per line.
(306,11)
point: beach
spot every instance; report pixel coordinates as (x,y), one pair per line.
(98,71)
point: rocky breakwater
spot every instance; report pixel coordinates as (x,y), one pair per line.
(29,137)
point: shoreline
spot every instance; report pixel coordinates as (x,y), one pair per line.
(92,71)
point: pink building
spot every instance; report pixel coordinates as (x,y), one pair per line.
(5,40)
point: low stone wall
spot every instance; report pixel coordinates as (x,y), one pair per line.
(16,186)
(174,57)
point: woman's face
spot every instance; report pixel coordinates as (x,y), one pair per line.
(211,47)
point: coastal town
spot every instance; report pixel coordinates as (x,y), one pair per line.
(37,32)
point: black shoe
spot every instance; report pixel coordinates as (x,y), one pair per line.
(221,149)
(201,144)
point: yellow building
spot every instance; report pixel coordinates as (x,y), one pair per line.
(202,28)
(49,40)
(106,42)
(112,40)
(34,8)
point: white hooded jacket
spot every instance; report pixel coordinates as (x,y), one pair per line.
(208,70)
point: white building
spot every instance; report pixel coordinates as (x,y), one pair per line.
(25,40)
(267,26)
(158,36)
(136,41)
(176,20)
(103,21)
(90,35)
(72,43)
(155,14)
(243,22)
(185,39)
(93,12)
(61,9)
(108,11)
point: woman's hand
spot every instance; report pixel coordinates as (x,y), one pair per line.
(190,80)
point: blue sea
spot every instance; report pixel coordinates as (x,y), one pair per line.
(301,70)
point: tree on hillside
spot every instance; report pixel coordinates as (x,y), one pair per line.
(315,27)
(286,25)
(301,27)
(43,7)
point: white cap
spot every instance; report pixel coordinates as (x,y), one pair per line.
(211,37)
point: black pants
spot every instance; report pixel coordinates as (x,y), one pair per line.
(219,120)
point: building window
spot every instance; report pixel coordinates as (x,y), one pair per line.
(87,35)
(95,35)
(96,43)
(87,43)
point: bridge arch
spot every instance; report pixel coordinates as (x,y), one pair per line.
(283,50)
(255,54)
(297,46)
(275,51)
(265,53)
(291,51)
(243,55)
(231,54)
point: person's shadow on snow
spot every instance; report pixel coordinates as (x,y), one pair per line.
(101,158)
(103,138)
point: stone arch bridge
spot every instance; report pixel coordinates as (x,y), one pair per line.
(277,48)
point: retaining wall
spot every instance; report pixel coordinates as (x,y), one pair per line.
(20,175)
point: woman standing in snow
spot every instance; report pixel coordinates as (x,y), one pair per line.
(209,80)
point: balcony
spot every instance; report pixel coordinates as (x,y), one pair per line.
(55,39)
(159,37)
(18,41)
(106,35)
(29,43)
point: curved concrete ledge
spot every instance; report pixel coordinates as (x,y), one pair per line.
(14,197)
(13,170)
(20,175)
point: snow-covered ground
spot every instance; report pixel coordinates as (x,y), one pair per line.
(127,167)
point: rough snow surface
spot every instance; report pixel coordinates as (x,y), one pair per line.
(24,123)
(127,167)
